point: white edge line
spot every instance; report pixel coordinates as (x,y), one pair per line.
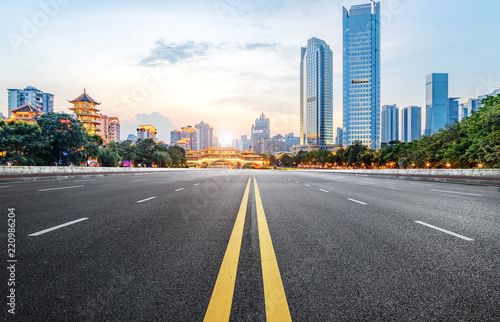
(363,203)
(4,186)
(323,190)
(145,199)
(179,189)
(57,227)
(461,193)
(444,230)
(60,188)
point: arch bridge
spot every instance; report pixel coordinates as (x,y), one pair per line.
(215,156)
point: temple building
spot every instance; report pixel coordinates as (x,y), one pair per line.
(27,113)
(86,112)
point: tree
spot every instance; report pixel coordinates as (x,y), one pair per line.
(67,138)
(108,157)
(22,143)
(178,156)
(162,159)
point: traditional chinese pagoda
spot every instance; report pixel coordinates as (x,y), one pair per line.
(27,113)
(85,109)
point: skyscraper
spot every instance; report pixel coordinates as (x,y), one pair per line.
(436,102)
(390,123)
(20,97)
(453,110)
(361,69)
(206,133)
(316,93)
(411,123)
(260,131)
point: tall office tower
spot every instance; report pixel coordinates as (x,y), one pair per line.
(361,68)
(390,123)
(436,103)
(411,123)
(206,133)
(453,110)
(20,97)
(260,131)
(338,139)
(316,93)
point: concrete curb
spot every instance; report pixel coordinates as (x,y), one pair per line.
(477,179)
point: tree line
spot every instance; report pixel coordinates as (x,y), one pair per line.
(474,142)
(58,139)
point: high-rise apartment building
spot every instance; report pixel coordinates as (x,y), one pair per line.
(206,133)
(260,131)
(361,75)
(436,103)
(411,123)
(389,123)
(146,132)
(316,93)
(191,133)
(37,98)
(338,139)
(108,128)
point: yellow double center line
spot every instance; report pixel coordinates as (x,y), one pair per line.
(219,307)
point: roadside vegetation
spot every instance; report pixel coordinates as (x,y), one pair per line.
(473,143)
(57,139)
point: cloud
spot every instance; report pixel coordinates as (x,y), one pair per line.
(162,123)
(173,53)
(259,45)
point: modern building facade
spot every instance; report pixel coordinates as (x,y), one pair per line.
(453,105)
(316,93)
(33,96)
(109,128)
(411,123)
(338,139)
(191,133)
(361,75)
(260,131)
(389,123)
(146,132)
(436,102)
(291,140)
(206,133)
(274,145)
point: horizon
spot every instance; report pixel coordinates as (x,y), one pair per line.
(229,61)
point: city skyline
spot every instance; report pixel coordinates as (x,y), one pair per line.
(225,62)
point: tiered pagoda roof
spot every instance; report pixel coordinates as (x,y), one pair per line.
(84,98)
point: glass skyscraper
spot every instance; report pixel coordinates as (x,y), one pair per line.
(390,123)
(436,103)
(411,123)
(316,94)
(361,68)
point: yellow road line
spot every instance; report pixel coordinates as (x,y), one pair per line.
(219,307)
(274,293)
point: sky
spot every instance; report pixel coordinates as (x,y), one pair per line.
(224,62)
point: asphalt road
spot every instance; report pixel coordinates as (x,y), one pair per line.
(150,247)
